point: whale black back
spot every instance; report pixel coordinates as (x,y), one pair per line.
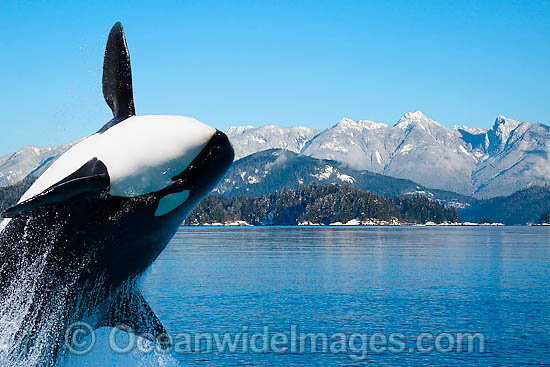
(117,77)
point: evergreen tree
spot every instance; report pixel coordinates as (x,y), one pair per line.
(318,203)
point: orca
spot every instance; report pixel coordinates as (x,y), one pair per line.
(100,215)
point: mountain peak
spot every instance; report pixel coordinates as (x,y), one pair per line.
(500,120)
(238,129)
(415,115)
(505,125)
(345,121)
(415,119)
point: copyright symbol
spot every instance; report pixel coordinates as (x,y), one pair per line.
(75,338)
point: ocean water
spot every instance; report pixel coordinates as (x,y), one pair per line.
(384,288)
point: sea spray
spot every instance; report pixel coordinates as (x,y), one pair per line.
(40,299)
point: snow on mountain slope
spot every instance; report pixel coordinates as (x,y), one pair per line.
(275,169)
(247,140)
(517,157)
(431,154)
(509,156)
(362,145)
(415,148)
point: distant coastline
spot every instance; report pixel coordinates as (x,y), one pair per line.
(355,223)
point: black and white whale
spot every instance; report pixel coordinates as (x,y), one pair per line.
(99,216)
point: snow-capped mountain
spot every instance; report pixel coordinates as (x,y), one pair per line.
(416,148)
(516,156)
(508,157)
(249,140)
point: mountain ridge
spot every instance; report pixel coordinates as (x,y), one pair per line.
(506,157)
(496,161)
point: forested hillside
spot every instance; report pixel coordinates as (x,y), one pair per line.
(272,170)
(522,207)
(323,204)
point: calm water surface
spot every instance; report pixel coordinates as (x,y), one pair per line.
(405,280)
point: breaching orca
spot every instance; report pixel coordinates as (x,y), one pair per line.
(101,214)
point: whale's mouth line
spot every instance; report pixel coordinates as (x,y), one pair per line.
(214,159)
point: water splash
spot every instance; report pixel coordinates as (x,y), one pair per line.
(39,299)
(26,332)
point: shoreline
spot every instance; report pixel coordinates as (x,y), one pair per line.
(364,224)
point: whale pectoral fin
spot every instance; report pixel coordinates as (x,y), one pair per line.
(117,77)
(90,179)
(134,312)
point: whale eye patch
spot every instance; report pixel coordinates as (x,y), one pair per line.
(170,202)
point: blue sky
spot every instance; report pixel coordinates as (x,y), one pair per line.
(289,63)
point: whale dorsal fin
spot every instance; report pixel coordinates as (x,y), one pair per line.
(90,179)
(117,77)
